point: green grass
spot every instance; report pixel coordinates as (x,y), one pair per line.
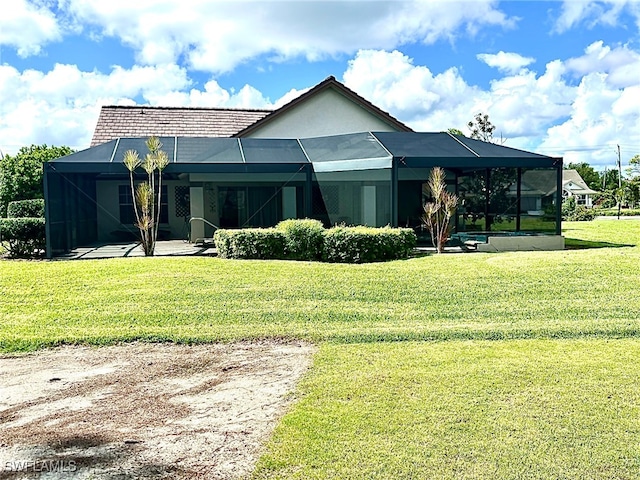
(508,366)
(564,294)
(464,409)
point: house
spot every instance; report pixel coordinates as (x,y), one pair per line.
(538,191)
(574,186)
(329,154)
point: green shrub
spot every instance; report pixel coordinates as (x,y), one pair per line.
(365,244)
(250,243)
(24,237)
(576,213)
(26,208)
(303,238)
(625,212)
(582,214)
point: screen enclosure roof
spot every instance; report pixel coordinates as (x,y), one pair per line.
(356,151)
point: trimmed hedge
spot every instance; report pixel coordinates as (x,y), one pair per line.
(25,237)
(26,208)
(250,243)
(366,244)
(625,212)
(303,238)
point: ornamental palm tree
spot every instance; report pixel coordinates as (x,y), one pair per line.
(145,195)
(438,213)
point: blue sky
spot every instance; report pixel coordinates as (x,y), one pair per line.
(559,78)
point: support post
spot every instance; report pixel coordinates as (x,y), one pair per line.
(518,199)
(47,211)
(308,191)
(487,199)
(394,192)
(559,199)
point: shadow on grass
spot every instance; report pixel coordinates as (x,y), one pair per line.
(575,244)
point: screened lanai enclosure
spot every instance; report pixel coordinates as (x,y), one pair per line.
(369,178)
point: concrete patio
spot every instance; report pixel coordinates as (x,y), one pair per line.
(133,249)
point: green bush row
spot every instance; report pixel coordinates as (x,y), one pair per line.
(24,237)
(26,208)
(625,212)
(308,240)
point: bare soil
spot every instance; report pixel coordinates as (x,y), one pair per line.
(144,410)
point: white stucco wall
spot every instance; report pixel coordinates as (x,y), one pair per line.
(327,113)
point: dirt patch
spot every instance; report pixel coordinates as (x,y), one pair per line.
(143,410)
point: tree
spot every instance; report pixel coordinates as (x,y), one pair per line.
(147,192)
(588,174)
(21,175)
(455,131)
(609,180)
(438,213)
(632,188)
(482,128)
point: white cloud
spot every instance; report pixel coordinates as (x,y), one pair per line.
(213,95)
(411,92)
(26,26)
(621,63)
(508,62)
(519,105)
(601,117)
(163,31)
(542,112)
(61,106)
(605,110)
(592,13)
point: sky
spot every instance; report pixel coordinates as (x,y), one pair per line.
(561,78)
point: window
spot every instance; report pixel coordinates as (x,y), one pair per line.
(125,199)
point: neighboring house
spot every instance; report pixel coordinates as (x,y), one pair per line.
(574,186)
(539,192)
(329,154)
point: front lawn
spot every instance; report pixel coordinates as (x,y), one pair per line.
(571,293)
(520,409)
(497,366)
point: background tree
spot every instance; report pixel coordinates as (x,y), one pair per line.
(455,131)
(609,180)
(588,174)
(482,128)
(21,175)
(632,188)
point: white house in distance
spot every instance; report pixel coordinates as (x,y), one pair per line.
(574,186)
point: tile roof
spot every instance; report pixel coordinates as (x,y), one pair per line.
(142,121)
